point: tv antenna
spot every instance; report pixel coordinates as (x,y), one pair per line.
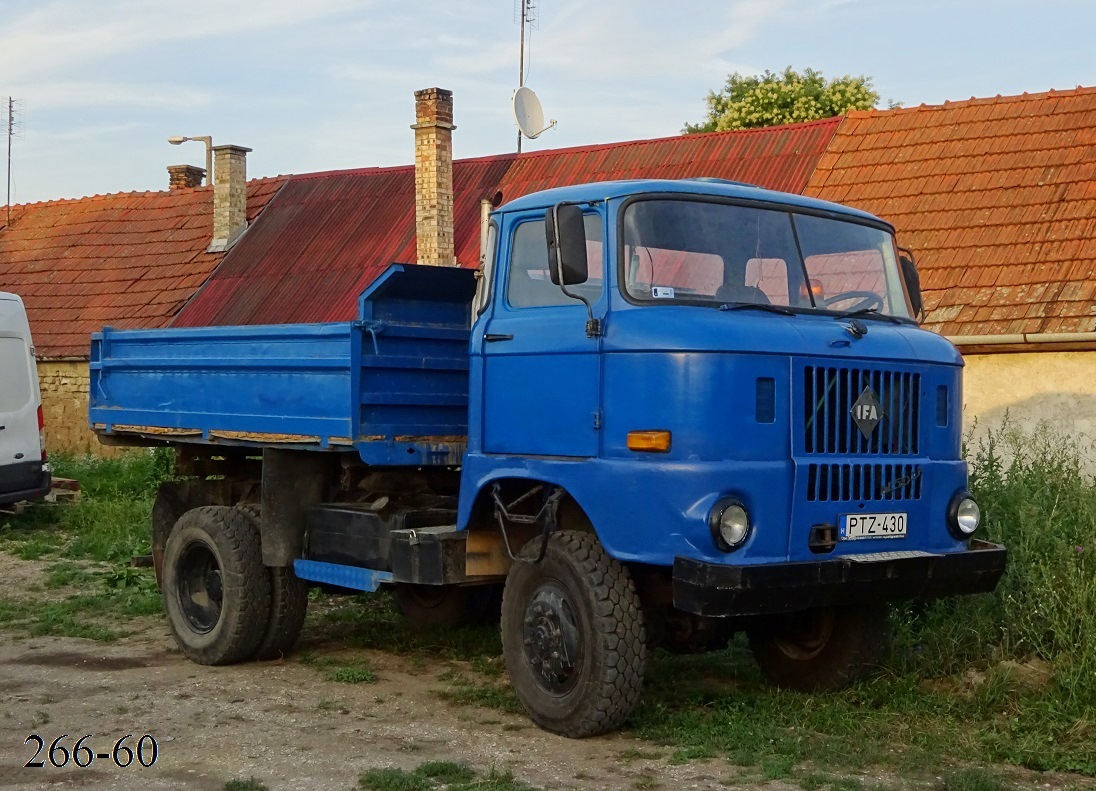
(527,110)
(11,115)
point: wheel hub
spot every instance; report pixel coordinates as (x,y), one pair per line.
(200,588)
(552,642)
(808,635)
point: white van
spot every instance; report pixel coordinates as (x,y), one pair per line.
(24,474)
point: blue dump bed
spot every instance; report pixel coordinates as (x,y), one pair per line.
(394,384)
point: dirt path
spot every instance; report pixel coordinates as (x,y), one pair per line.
(282,722)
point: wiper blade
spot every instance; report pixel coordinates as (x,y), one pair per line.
(757,306)
(871,313)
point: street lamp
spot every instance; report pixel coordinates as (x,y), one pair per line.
(178,140)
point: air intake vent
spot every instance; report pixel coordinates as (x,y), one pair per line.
(828,396)
(863,482)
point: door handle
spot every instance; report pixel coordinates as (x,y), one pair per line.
(494,337)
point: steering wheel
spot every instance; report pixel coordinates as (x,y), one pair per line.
(868,299)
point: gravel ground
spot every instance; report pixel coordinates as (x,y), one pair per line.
(281,722)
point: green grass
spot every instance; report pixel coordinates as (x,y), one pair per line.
(90,543)
(95,613)
(471,690)
(971,779)
(353,675)
(441,775)
(110,522)
(372,621)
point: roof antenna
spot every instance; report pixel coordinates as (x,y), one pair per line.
(12,128)
(527,110)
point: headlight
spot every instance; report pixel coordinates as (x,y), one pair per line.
(964,515)
(730,524)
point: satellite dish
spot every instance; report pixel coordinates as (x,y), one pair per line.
(529,114)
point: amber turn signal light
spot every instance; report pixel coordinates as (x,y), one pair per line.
(651,441)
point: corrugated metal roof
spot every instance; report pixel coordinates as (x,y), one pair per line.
(129,260)
(328,235)
(997,198)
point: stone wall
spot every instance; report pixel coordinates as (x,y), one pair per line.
(64,387)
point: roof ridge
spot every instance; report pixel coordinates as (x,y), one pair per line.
(951,104)
(102,196)
(644,141)
(349,172)
(525,155)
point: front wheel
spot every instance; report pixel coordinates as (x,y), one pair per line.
(573,636)
(216,589)
(823,649)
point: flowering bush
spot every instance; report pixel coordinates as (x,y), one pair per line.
(747,102)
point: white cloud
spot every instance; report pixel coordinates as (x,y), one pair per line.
(51,94)
(59,35)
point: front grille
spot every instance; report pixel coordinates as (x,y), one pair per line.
(860,482)
(828,396)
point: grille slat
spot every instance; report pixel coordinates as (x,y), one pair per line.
(863,482)
(828,396)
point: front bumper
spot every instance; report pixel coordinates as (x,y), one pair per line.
(721,590)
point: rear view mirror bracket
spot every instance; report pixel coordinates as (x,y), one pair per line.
(568,265)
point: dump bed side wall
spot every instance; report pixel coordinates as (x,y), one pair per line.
(291,381)
(393,384)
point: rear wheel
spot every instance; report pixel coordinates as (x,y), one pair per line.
(823,649)
(573,636)
(288,604)
(216,589)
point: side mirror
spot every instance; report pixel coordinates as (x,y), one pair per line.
(913,281)
(566,232)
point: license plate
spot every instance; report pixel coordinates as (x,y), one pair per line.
(855,526)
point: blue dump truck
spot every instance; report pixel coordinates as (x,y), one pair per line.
(660,412)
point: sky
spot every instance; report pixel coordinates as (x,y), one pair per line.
(319,85)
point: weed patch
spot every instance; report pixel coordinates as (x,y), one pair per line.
(441,775)
(353,675)
(463,690)
(251,784)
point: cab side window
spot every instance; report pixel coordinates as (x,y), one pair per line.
(529,284)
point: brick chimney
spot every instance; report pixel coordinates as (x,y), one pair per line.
(181,177)
(434,176)
(229,196)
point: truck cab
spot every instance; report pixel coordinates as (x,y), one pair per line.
(659,412)
(719,343)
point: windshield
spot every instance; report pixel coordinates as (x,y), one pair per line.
(710,253)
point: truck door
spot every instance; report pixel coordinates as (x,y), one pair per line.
(542,374)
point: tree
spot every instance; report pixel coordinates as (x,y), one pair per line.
(747,101)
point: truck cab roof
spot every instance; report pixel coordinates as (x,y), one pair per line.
(607,190)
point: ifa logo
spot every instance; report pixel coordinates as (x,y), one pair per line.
(867,411)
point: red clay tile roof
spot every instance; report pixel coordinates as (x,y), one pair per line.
(328,235)
(128,260)
(996,197)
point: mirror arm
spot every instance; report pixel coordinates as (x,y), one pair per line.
(593,326)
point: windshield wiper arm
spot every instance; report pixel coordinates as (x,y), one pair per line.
(871,313)
(756,306)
